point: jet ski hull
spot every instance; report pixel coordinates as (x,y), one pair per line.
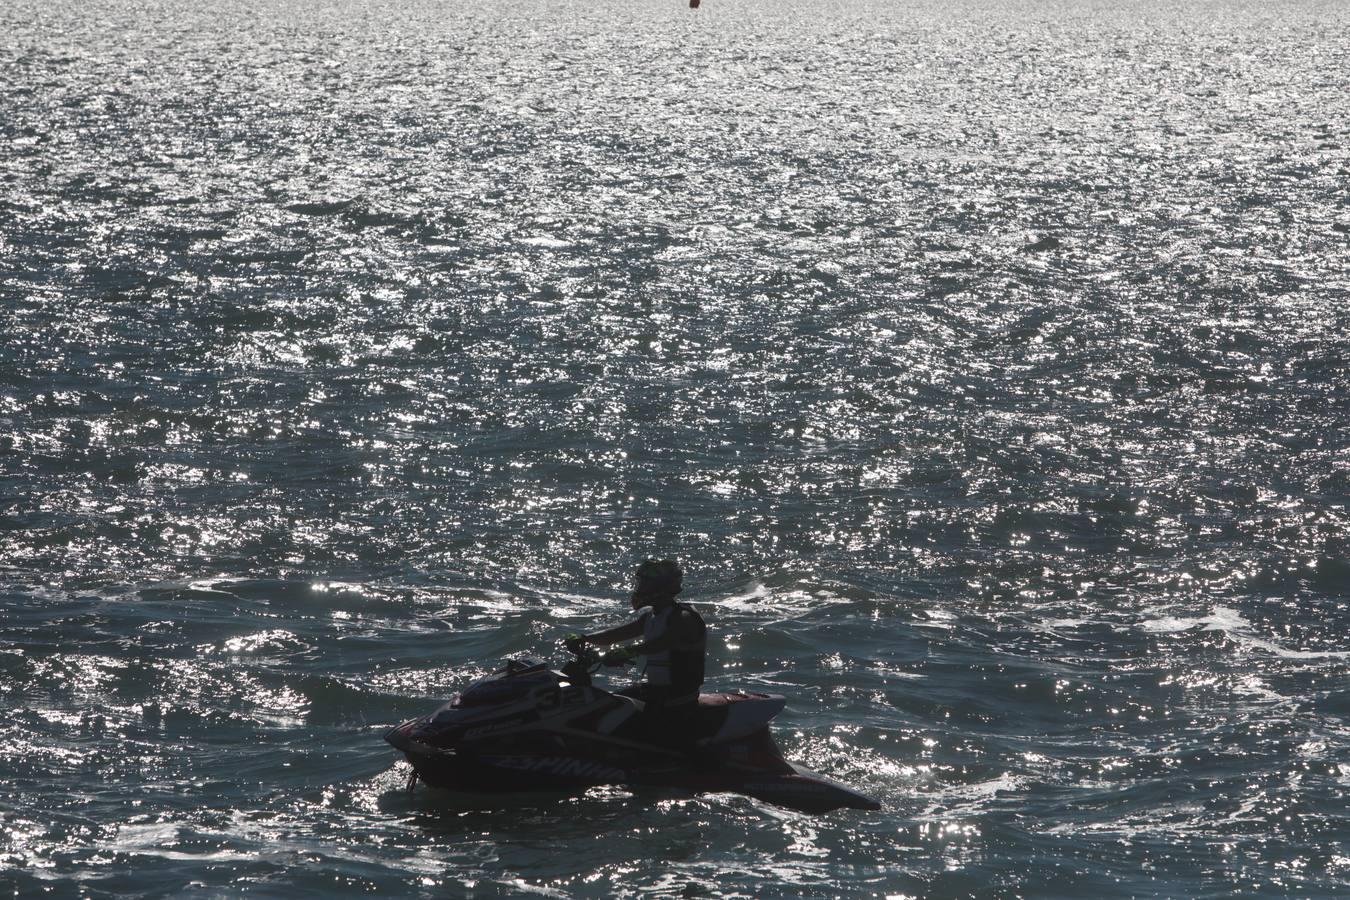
(799,788)
(537,733)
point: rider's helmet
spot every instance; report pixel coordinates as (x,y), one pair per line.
(657,579)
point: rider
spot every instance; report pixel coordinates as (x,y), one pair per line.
(671,651)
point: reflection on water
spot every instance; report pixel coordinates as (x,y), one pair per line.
(983,362)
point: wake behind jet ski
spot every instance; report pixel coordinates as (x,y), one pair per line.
(526,727)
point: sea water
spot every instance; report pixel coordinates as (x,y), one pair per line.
(984,363)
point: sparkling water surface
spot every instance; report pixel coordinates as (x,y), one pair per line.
(985,363)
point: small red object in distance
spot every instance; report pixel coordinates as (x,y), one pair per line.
(693,4)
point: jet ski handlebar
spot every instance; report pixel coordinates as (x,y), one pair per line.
(584,663)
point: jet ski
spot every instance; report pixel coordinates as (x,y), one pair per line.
(527,727)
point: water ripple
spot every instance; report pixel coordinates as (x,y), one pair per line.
(985,363)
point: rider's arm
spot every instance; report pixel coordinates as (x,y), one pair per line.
(614,635)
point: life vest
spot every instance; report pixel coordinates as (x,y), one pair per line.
(679,668)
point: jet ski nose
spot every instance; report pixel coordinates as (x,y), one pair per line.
(399,735)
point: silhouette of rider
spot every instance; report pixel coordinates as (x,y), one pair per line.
(670,653)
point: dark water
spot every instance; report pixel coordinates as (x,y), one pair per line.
(986,365)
